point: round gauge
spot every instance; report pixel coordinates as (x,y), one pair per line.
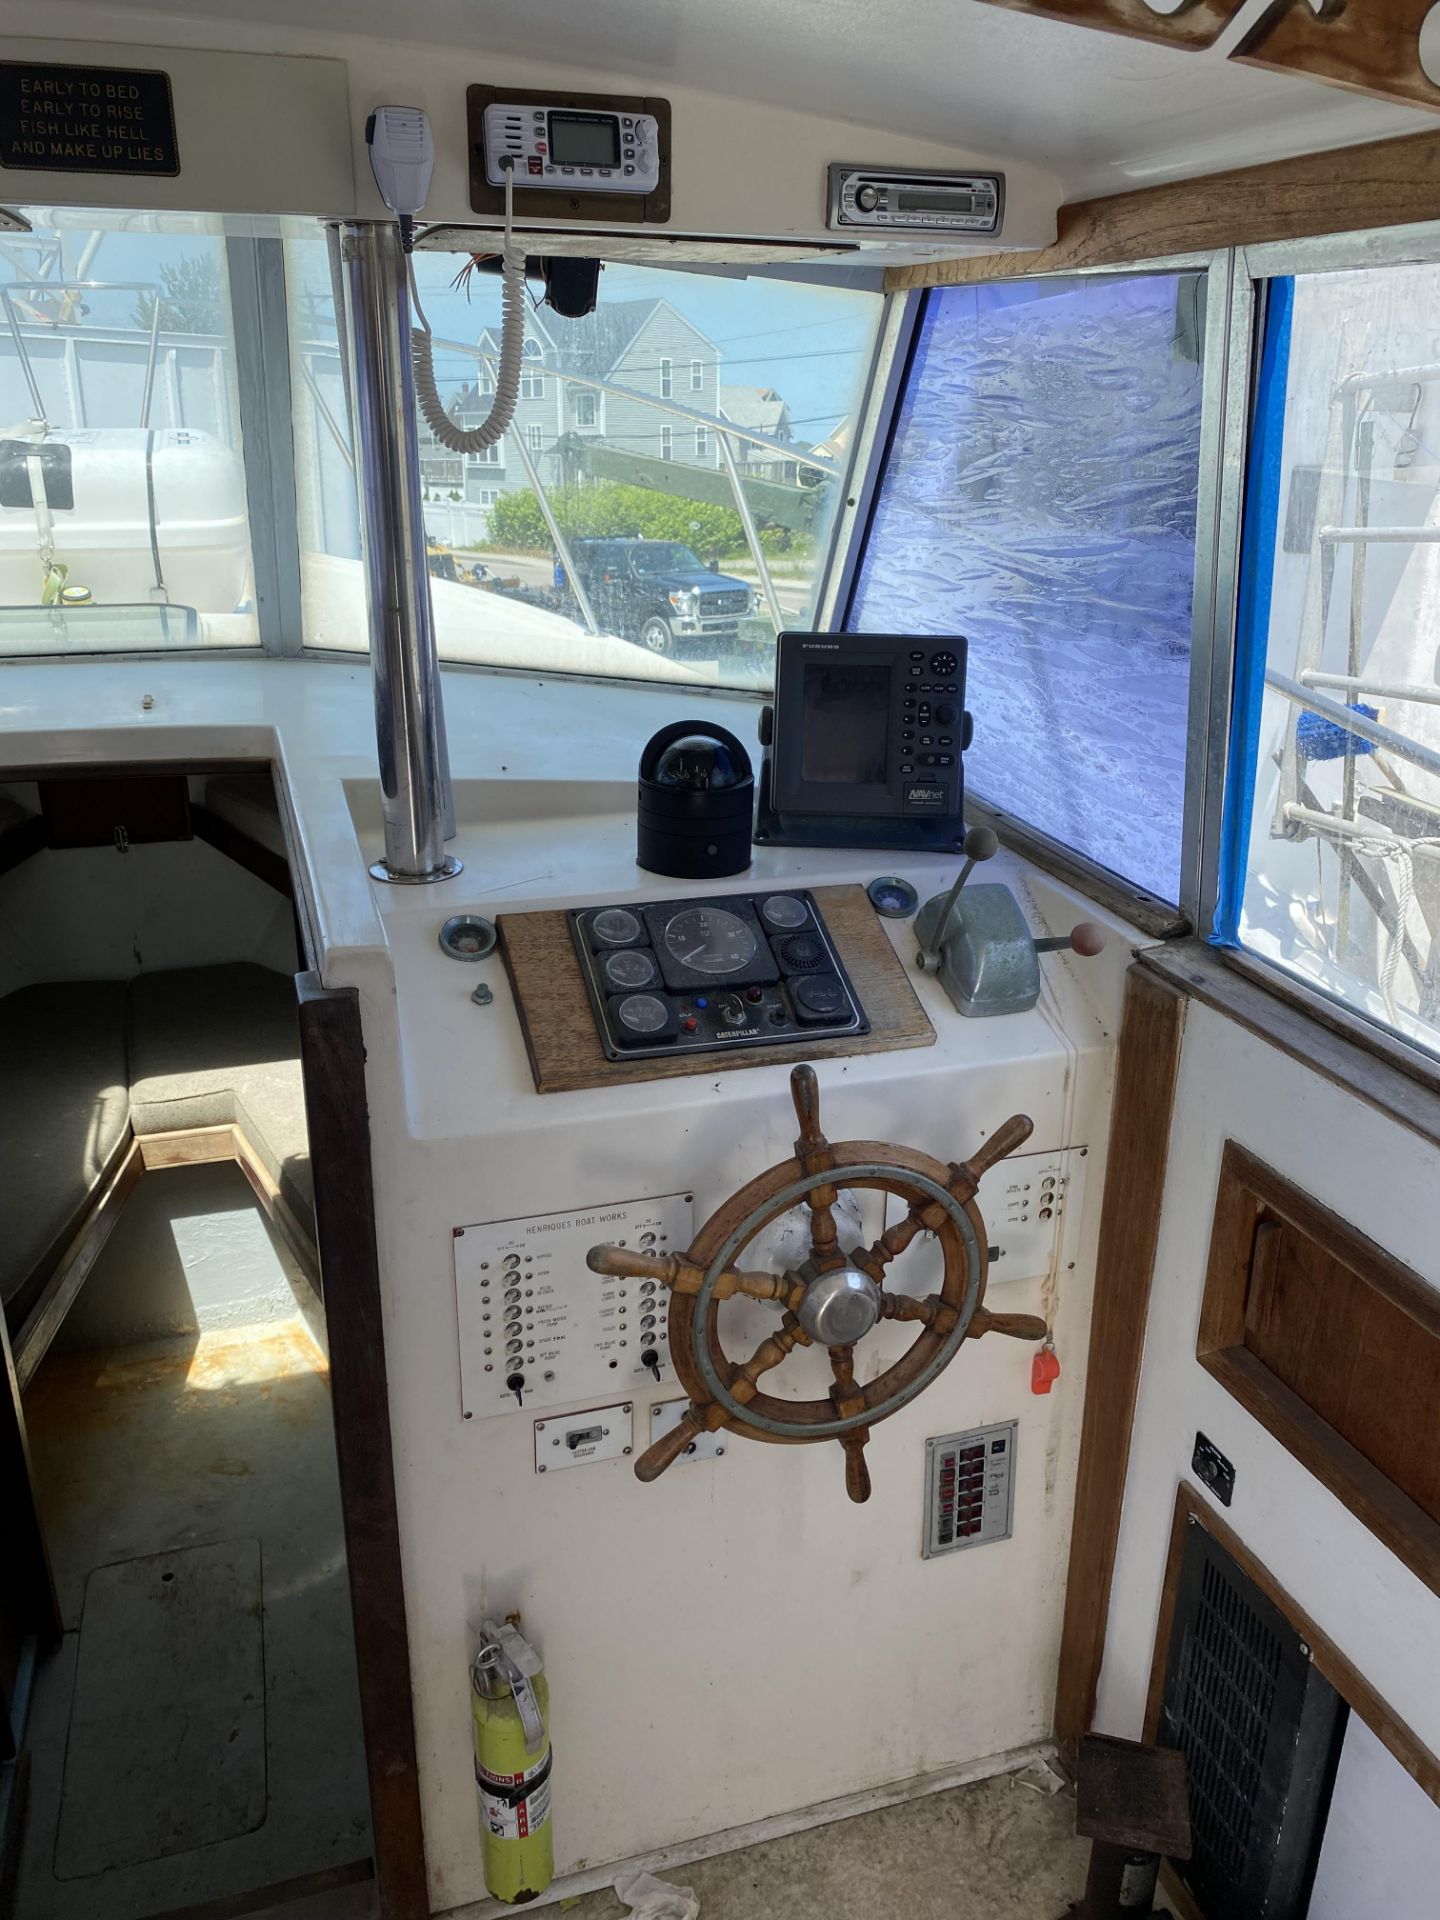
(643,1013)
(710,940)
(628,969)
(784,910)
(615,927)
(821,997)
(893,897)
(943,664)
(801,952)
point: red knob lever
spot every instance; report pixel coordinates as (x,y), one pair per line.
(1086,939)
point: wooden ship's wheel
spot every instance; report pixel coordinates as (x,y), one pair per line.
(833,1298)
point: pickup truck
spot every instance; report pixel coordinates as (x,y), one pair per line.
(659,595)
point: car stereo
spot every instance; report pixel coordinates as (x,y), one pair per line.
(863,745)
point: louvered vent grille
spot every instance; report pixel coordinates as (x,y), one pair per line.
(1260,1730)
(1226,1697)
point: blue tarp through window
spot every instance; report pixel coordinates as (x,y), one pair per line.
(1040,498)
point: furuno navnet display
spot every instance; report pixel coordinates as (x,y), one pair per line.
(863,745)
(695,976)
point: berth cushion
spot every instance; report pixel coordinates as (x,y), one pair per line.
(64,1123)
(216,1046)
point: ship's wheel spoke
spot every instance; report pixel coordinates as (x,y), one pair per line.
(922,1217)
(933,1312)
(904,1306)
(768,1354)
(680,1275)
(848,1400)
(824,1234)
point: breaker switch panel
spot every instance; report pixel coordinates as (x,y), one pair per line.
(539,1329)
(969,1489)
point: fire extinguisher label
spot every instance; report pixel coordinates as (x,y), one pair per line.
(516,1819)
(514,1786)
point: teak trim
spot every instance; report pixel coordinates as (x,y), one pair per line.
(1147,911)
(1355,1690)
(337,1117)
(1353,1054)
(1386,183)
(1147,1067)
(1248,1193)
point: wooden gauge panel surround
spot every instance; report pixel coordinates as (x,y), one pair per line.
(557,1004)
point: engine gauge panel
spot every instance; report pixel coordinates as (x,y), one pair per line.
(699,976)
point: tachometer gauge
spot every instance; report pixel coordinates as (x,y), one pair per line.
(709,940)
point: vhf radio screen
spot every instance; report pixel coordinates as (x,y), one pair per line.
(584,140)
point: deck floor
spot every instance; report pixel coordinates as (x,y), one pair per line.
(210,1438)
(997,1850)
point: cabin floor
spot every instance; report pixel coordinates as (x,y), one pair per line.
(996,1850)
(197,1737)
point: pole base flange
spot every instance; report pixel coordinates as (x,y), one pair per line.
(447,870)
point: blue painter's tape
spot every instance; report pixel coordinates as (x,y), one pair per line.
(1260,528)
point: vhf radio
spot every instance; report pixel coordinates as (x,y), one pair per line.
(863,745)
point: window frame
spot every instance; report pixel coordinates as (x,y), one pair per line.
(1254,267)
(667,441)
(667,379)
(1236,291)
(697,376)
(259,324)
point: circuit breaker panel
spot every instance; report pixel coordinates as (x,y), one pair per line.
(969,1489)
(539,1329)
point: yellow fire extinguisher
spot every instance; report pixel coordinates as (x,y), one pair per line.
(510,1707)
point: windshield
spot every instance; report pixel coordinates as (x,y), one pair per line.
(663,556)
(635,429)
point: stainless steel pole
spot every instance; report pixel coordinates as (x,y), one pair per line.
(409,722)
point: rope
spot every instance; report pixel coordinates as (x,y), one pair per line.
(1402,853)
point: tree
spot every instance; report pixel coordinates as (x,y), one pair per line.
(193,302)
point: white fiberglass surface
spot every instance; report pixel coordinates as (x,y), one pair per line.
(1337,835)
(123,513)
(625,417)
(1040,499)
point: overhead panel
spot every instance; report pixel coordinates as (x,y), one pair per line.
(169,128)
(1372,48)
